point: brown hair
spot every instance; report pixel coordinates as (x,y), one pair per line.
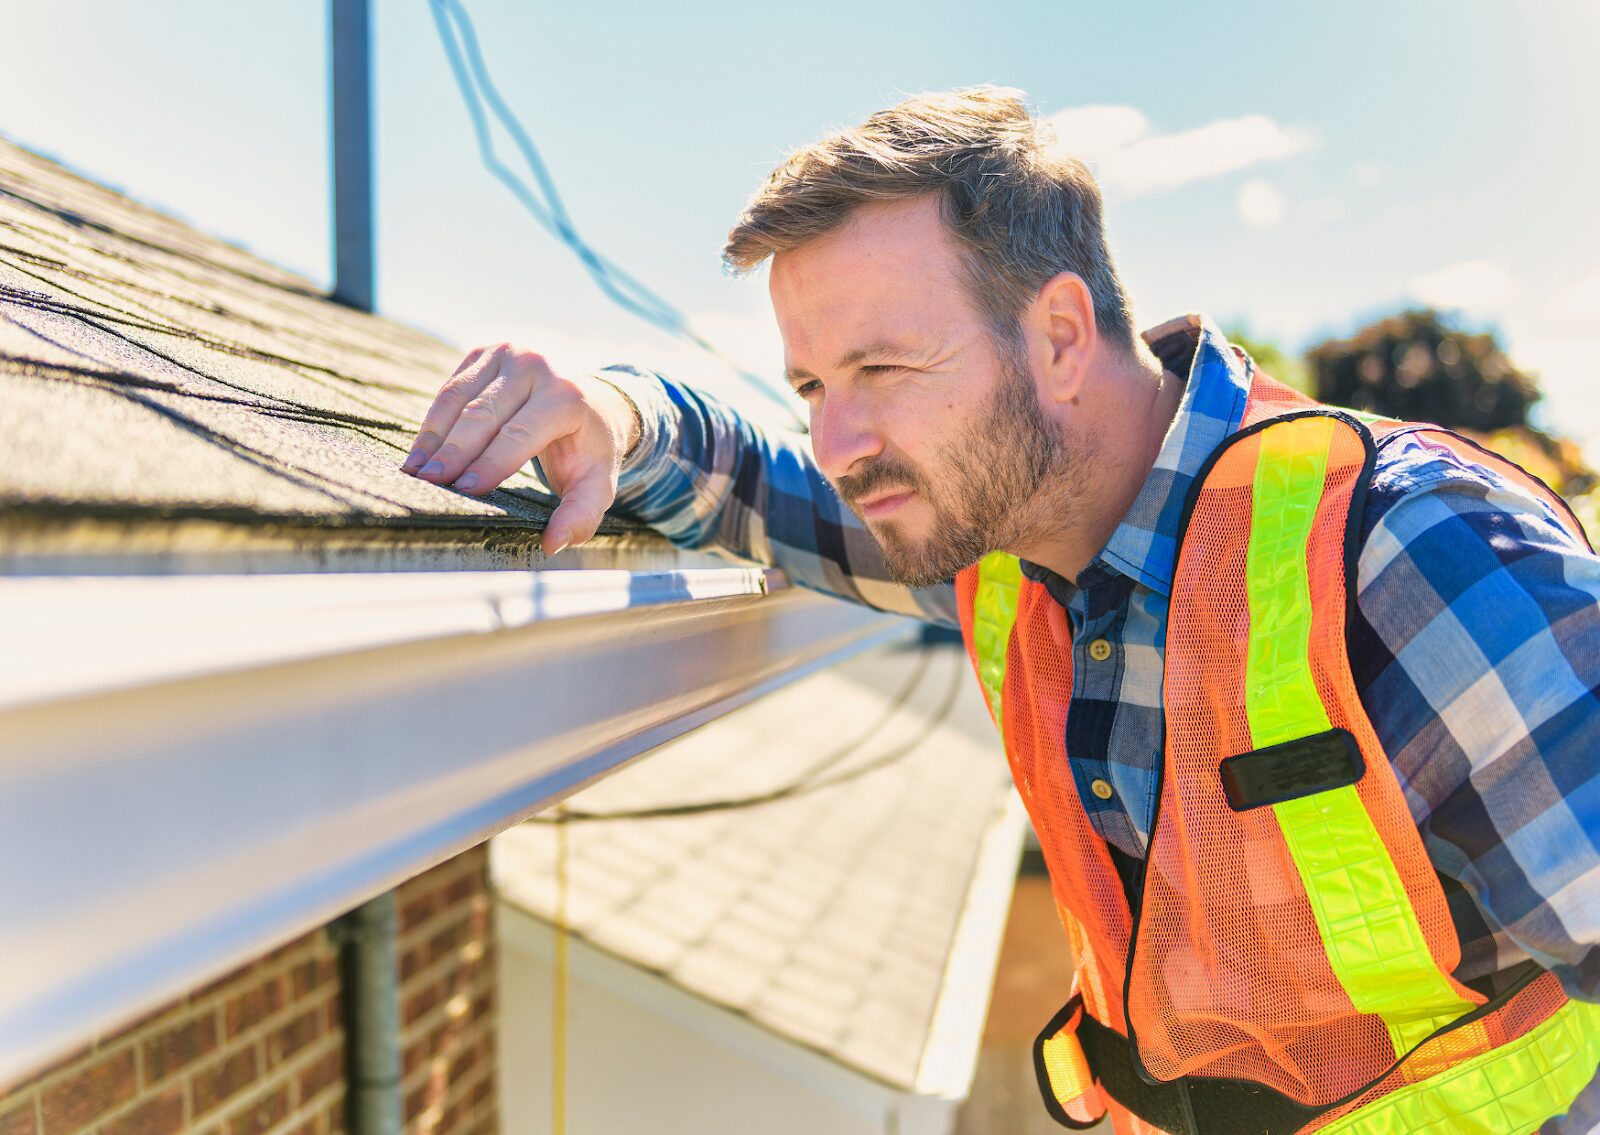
(1021,213)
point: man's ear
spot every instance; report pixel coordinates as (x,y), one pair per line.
(1060,332)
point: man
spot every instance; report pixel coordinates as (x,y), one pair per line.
(1304,708)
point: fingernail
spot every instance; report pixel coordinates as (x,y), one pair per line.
(470,481)
(558,542)
(418,456)
(432,469)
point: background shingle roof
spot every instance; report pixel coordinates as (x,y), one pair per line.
(828,918)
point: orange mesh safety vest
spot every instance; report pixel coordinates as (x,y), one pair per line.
(1289,966)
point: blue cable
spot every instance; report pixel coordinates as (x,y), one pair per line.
(546,206)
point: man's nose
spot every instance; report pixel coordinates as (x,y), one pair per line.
(844,430)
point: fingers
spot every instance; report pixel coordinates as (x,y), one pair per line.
(583,505)
(474,373)
(527,433)
(493,400)
(503,407)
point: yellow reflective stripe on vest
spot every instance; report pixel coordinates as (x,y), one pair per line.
(1280,695)
(994,613)
(1509,1090)
(1370,932)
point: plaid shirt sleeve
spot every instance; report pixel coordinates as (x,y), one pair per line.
(707,479)
(1477,650)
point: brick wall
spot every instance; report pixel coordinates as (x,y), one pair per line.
(447,999)
(261,1051)
(258,1051)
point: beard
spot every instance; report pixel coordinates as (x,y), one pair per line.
(985,489)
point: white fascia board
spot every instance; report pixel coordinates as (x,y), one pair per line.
(298,745)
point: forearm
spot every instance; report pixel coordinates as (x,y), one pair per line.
(708,479)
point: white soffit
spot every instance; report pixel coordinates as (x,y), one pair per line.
(196,769)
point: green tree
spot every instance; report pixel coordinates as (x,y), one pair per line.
(1416,366)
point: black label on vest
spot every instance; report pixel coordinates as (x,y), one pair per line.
(1288,771)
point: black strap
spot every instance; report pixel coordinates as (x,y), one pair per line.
(1189,1106)
(1207,1106)
(1192,1105)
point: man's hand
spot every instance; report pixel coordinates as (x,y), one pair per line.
(503,407)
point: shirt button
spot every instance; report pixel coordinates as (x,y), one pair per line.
(1099,650)
(1101,788)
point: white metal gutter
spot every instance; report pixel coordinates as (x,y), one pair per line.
(72,636)
(194,770)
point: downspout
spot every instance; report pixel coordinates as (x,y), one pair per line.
(369,974)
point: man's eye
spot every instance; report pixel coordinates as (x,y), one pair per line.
(881,368)
(807,389)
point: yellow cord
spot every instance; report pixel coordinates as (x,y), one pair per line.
(558,1071)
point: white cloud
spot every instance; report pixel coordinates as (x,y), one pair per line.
(1473,286)
(1093,133)
(1322,210)
(1565,366)
(1260,204)
(1579,300)
(1367,174)
(1130,160)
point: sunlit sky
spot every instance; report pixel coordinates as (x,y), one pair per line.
(1298,168)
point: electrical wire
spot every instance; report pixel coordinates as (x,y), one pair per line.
(545,205)
(812,780)
(458,36)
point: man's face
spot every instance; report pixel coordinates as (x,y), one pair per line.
(930,430)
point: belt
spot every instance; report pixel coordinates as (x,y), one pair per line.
(1191,1105)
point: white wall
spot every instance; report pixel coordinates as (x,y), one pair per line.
(645,1056)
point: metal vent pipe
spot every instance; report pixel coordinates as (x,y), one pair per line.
(350,82)
(369,967)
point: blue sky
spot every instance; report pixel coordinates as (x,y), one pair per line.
(1296,167)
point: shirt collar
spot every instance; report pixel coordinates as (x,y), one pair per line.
(1145,544)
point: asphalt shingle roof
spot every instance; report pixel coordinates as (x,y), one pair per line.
(149,370)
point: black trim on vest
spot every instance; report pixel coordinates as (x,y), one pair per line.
(1191,502)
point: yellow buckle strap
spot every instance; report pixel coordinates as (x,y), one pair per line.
(1067,1066)
(1071,1094)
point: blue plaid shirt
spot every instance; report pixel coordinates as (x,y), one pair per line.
(1475,643)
